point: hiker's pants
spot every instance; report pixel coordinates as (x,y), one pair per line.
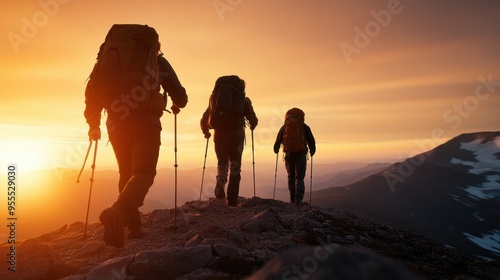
(136,147)
(229,149)
(296,167)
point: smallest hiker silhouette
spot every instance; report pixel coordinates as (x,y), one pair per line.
(226,113)
(296,137)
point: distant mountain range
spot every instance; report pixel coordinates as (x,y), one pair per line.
(451,193)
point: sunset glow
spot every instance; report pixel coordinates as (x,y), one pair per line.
(402,81)
(378,80)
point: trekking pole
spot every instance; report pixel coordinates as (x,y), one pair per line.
(203,172)
(90,191)
(253,163)
(311,183)
(175,174)
(275,175)
(84,161)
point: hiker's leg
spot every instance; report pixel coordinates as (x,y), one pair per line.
(115,217)
(121,141)
(145,151)
(122,145)
(300,161)
(222,152)
(290,169)
(233,189)
(142,143)
(235,152)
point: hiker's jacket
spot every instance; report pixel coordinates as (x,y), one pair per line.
(168,81)
(248,114)
(308,137)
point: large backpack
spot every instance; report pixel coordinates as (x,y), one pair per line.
(125,77)
(293,135)
(227,103)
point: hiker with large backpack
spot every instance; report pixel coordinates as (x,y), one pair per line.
(228,111)
(296,138)
(125,82)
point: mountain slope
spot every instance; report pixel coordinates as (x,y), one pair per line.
(347,177)
(451,192)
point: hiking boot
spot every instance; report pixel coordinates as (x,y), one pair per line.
(298,202)
(135,233)
(113,222)
(219,189)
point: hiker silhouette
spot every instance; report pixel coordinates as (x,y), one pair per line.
(226,114)
(295,136)
(131,96)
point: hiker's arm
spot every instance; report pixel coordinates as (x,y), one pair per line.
(311,142)
(204,124)
(171,84)
(249,114)
(92,114)
(279,139)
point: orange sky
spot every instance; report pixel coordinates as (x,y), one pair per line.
(409,81)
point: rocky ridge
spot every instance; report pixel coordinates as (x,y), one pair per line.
(259,239)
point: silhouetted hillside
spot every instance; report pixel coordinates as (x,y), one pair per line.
(451,193)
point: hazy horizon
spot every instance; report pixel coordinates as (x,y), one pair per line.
(376,79)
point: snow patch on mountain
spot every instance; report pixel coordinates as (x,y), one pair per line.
(486,163)
(490,241)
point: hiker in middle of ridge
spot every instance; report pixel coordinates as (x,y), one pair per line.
(226,113)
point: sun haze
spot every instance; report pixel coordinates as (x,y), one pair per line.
(378,80)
